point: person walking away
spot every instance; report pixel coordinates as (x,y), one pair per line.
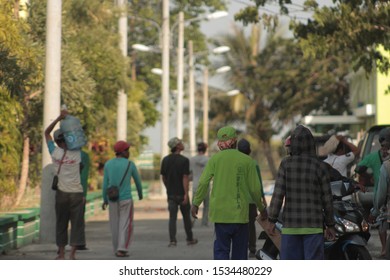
(381,203)
(118,172)
(374,162)
(344,155)
(197,164)
(244,147)
(235,181)
(303,185)
(69,199)
(175,171)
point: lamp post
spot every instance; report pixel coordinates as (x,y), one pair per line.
(222,69)
(121,124)
(191,97)
(180,77)
(191,93)
(180,66)
(51,109)
(165,44)
(165,80)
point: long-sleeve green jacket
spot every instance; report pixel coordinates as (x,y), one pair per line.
(234,181)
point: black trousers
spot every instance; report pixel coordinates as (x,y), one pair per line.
(252,227)
(174,204)
(69,208)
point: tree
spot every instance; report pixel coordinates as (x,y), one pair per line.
(92,69)
(280,84)
(242,59)
(21,75)
(356,27)
(88,86)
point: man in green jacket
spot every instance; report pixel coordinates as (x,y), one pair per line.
(235,182)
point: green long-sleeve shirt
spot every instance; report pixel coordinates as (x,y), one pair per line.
(235,183)
(114,169)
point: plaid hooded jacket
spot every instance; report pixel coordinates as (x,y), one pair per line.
(304,185)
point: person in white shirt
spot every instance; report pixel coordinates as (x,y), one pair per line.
(197,164)
(70,200)
(344,154)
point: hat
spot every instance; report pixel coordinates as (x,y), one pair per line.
(58,135)
(244,146)
(121,146)
(174,142)
(226,133)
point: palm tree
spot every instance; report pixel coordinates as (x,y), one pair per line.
(253,105)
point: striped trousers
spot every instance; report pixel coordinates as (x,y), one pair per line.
(121,215)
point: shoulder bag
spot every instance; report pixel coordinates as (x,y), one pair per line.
(113,191)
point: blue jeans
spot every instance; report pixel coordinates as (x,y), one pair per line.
(234,236)
(302,247)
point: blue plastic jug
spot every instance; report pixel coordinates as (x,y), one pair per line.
(73,132)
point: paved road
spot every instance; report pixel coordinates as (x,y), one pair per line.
(150,240)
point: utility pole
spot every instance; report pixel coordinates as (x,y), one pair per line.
(121,124)
(206,105)
(51,110)
(191,96)
(180,77)
(165,80)
(52,96)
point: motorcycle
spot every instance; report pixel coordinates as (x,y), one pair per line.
(352,230)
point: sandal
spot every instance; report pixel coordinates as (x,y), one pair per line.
(121,254)
(192,242)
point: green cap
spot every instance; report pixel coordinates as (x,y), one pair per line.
(226,133)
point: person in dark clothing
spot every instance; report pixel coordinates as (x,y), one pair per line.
(175,171)
(303,184)
(245,147)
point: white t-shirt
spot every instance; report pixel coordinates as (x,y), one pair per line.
(69,176)
(340,162)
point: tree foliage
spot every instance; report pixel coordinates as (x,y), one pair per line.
(20,76)
(93,70)
(280,83)
(354,27)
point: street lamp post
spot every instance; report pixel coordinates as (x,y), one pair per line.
(51,109)
(165,80)
(191,97)
(206,105)
(220,70)
(180,66)
(121,132)
(180,77)
(165,44)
